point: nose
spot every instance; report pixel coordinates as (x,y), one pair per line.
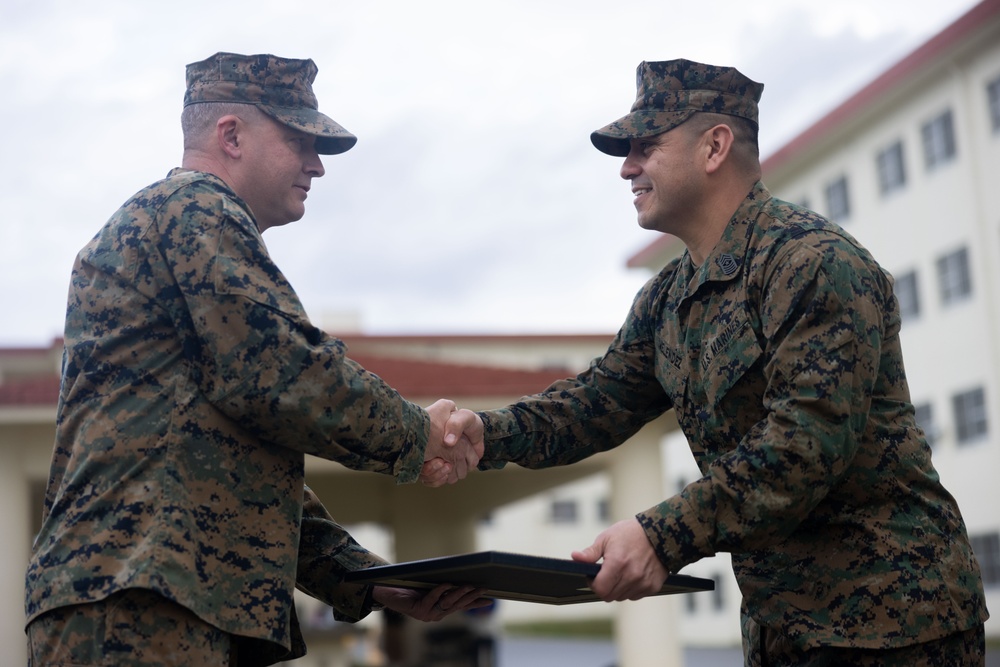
(314,165)
(631,166)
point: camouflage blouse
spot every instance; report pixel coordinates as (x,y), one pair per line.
(780,357)
(193,387)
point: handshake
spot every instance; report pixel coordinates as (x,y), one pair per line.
(455,445)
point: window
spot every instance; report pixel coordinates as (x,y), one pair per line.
(993,94)
(891,172)
(681,484)
(604,510)
(970,415)
(939,140)
(987,550)
(954,278)
(563,511)
(718,599)
(925,420)
(691,604)
(837,202)
(907,295)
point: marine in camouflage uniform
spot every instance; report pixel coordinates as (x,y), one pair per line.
(780,356)
(193,386)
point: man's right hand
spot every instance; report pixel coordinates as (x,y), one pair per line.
(455,445)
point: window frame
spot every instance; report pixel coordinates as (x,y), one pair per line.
(954,273)
(907,290)
(838,199)
(564,511)
(926,422)
(986,547)
(993,103)
(891,165)
(971,416)
(939,141)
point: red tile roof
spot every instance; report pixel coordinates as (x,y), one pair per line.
(926,55)
(411,378)
(37,391)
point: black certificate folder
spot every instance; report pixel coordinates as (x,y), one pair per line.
(510,576)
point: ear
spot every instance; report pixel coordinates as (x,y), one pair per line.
(718,143)
(227,133)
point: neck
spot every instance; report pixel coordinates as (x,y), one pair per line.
(198,160)
(714,218)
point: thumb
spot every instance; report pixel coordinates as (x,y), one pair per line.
(453,429)
(460,422)
(591,554)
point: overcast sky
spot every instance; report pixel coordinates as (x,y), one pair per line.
(473,201)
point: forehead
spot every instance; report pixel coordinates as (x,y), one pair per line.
(660,139)
(285,132)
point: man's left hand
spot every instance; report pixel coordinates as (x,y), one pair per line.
(432,605)
(630,568)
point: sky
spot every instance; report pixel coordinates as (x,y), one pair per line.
(473,202)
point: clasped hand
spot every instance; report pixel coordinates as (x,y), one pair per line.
(455,445)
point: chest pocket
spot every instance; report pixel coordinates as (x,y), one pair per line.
(725,362)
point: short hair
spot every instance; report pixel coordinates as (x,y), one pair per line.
(745,132)
(197,120)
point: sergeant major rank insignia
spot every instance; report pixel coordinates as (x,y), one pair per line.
(728,263)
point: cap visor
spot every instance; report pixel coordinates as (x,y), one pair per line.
(331,137)
(614,138)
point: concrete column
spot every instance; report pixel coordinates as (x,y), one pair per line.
(646,631)
(15,527)
(428,529)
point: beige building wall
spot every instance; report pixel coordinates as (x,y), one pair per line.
(950,346)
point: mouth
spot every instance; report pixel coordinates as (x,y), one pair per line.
(639,191)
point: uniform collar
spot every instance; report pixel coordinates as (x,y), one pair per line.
(726,260)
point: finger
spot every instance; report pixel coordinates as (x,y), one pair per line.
(458,422)
(443,404)
(591,554)
(433,468)
(435,595)
(461,467)
(468,597)
(472,456)
(435,472)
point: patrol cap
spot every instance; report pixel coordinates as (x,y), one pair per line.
(669,92)
(280,87)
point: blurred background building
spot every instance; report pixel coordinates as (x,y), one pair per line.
(910,165)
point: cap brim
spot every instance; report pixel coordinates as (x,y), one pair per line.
(331,137)
(614,138)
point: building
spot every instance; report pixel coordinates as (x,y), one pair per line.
(403,522)
(910,165)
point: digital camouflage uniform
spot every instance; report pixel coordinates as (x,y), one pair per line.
(193,387)
(781,359)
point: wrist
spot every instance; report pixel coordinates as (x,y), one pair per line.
(373,600)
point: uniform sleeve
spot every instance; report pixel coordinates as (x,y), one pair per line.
(577,417)
(326,553)
(822,319)
(257,358)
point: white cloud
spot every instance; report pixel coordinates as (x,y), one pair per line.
(473,201)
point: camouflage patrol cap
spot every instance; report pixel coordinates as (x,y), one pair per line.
(669,92)
(280,87)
